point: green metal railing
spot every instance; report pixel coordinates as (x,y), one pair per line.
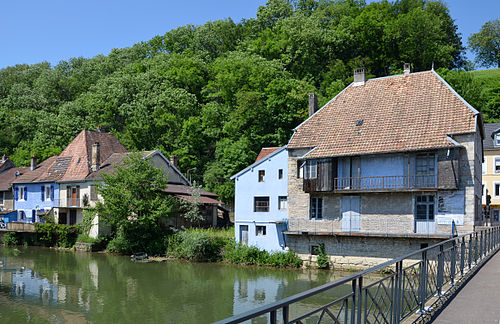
(415,279)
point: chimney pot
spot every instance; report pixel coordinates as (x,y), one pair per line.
(96,157)
(174,160)
(3,158)
(359,77)
(313,103)
(33,163)
(406,68)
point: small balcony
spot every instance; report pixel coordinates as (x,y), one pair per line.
(385,183)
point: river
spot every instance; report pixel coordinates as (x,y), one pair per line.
(39,285)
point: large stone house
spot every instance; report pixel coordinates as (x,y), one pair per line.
(388,165)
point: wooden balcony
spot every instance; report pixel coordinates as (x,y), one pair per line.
(386,183)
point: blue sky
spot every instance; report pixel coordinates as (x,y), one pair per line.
(32,31)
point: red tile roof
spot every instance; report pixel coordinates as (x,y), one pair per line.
(74,162)
(265,151)
(7,177)
(391,114)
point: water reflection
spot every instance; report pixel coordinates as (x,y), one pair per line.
(69,287)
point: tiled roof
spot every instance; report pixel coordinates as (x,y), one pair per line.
(489,129)
(110,164)
(391,114)
(7,177)
(74,162)
(6,163)
(265,151)
(186,190)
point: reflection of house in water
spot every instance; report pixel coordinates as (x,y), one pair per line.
(253,292)
(27,285)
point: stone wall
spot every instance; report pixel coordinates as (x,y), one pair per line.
(355,252)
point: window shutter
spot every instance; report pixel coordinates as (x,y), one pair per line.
(25,193)
(52,192)
(16,194)
(33,215)
(43,192)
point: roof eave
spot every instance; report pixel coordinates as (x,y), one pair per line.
(253,165)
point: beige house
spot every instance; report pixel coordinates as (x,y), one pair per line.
(491,169)
(388,165)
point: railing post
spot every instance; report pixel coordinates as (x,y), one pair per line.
(470,250)
(440,274)
(397,293)
(360,299)
(476,248)
(462,257)
(354,301)
(423,282)
(453,262)
(285,312)
(481,249)
(272,317)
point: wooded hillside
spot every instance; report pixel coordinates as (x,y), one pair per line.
(215,94)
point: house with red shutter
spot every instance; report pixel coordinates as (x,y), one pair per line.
(387,166)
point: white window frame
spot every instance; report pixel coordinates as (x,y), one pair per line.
(495,164)
(495,190)
(311,169)
(258,231)
(280,200)
(47,192)
(318,207)
(22,193)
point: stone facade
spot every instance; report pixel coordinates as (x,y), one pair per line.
(355,253)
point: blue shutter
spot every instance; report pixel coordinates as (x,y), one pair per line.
(16,193)
(52,192)
(33,215)
(26,193)
(43,193)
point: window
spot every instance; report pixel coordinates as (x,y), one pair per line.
(425,164)
(262,175)
(497,189)
(93,193)
(424,208)
(73,196)
(260,230)
(300,169)
(261,204)
(497,165)
(21,193)
(316,208)
(282,202)
(2,198)
(280,174)
(48,193)
(311,169)
(497,140)
(496,214)
(484,167)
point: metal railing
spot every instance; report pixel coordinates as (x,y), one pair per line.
(416,277)
(386,182)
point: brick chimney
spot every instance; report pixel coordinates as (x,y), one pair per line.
(96,157)
(359,77)
(33,162)
(406,68)
(174,160)
(313,103)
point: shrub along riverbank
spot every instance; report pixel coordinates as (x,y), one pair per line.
(219,245)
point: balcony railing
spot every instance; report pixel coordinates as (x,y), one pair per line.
(385,182)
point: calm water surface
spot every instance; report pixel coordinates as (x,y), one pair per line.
(40,285)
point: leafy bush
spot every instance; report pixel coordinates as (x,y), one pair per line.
(56,235)
(11,238)
(242,254)
(87,239)
(322,260)
(197,244)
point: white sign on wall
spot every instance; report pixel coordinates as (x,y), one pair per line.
(450,207)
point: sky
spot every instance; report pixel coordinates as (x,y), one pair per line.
(33,31)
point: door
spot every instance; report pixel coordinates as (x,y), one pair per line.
(244,234)
(73,197)
(351,213)
(72,217)
(424,214)
(63,218)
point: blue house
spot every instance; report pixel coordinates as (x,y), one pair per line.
(36,191)
(260,213)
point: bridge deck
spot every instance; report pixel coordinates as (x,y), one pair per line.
(478,301)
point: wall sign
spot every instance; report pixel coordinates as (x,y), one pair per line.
(450,207)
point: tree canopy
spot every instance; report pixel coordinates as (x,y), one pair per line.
(486,44)
(215,94)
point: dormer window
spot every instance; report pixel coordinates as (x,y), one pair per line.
(496,140)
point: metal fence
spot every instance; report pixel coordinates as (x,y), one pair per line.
(415,278)
(386,182)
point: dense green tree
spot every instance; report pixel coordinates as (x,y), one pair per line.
(486,44)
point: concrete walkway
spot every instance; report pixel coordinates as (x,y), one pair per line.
(479,300)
